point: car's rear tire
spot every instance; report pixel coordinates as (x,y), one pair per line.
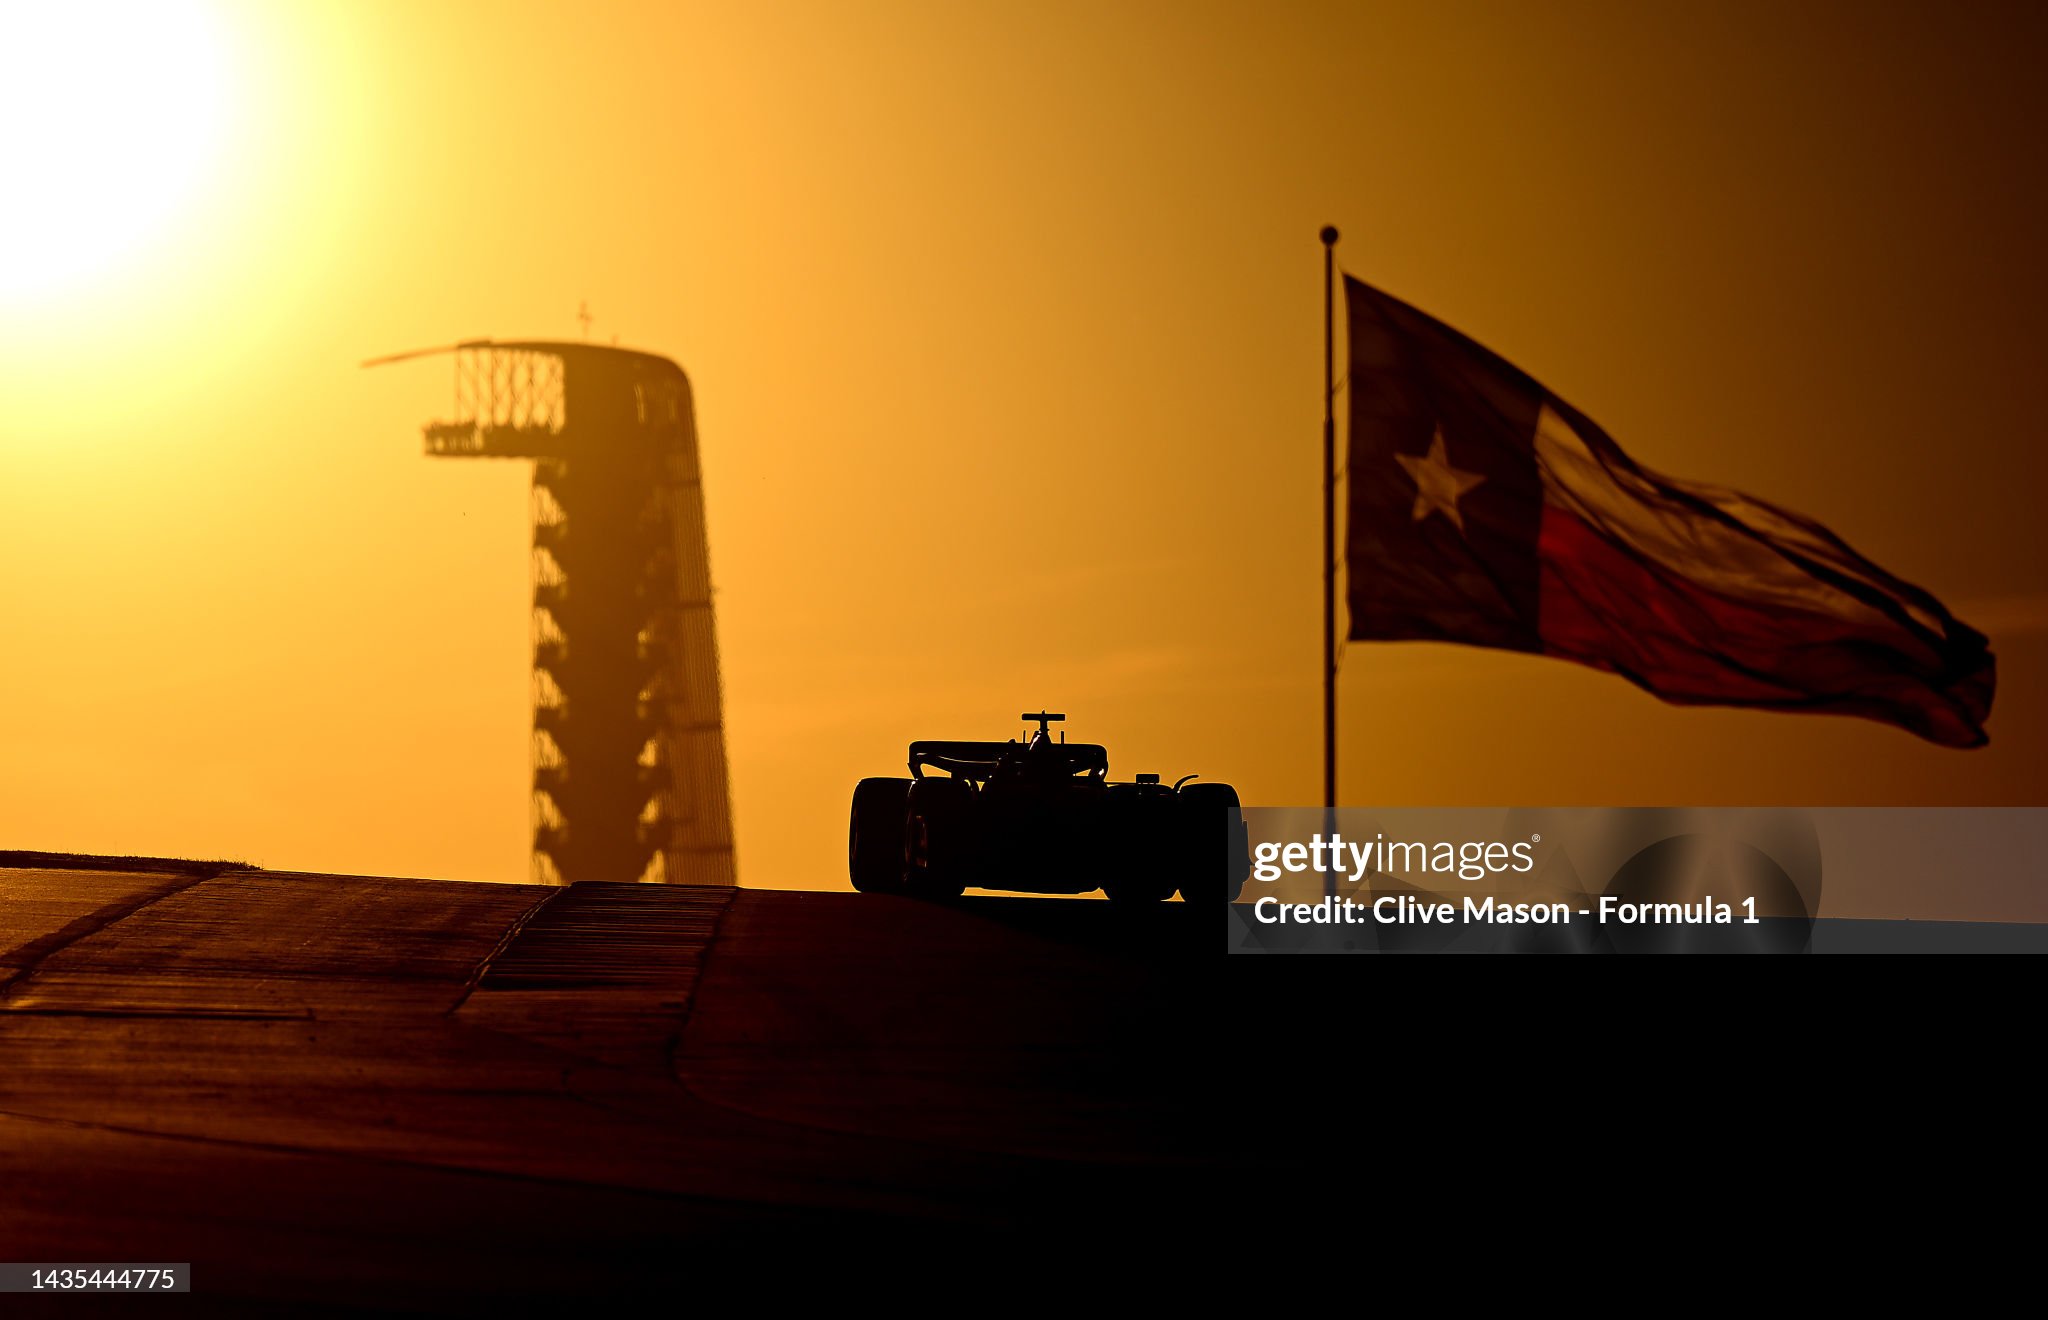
(1135,847)
(874,835)
(1216,850)
(937,838)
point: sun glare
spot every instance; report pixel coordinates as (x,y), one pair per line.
(113,114)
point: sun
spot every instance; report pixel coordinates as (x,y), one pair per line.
(113,115)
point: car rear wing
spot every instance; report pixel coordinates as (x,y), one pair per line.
(977,760)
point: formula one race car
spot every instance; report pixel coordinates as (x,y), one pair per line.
(1042,816)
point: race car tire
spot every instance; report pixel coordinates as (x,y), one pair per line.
(936,838)
(1216,850)
(1135,847)
(874,835)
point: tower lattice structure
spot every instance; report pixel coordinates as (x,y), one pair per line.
(629,765)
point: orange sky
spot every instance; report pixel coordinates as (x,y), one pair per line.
(1004,327)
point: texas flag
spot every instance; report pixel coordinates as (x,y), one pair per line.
(1484,509)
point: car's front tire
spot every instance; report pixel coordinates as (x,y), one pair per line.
(874,835)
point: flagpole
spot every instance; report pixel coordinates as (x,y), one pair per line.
(1329,237)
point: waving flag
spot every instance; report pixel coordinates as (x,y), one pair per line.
(1484,509)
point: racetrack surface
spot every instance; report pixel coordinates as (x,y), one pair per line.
(347,1092)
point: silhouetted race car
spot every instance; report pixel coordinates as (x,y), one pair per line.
(1042,816)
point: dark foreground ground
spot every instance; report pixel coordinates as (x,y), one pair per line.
(343,1092)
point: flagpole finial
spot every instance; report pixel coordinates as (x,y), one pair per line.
(1329,235)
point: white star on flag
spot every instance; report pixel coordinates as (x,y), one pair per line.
(1437,484)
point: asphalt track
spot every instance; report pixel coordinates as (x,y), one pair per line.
(335,1093)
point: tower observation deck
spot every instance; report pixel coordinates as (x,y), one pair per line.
(629,765)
